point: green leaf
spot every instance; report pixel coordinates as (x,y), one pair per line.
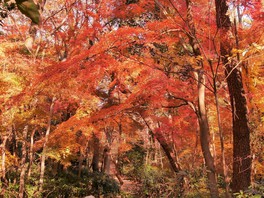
(30,9)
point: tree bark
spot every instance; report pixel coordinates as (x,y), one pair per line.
(80,163)
(241,133)
(23,163)
(107,150)
(31,154)
(3,169)
(96,149)
(107,160)
(3,153)
(201,112)
(43,156)
(205,136)
(221,134)
(166,148)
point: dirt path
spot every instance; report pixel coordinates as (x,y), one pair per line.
(129,187)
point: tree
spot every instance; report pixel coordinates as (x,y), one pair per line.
(241,132)
(136,79)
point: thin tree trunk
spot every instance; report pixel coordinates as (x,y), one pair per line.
(3,170)
(117,173)
(43,156)
(220,129)
(241,133)
(23,163)
(115,162)
(205,137)
(107,150)
(202,114)
(166,148)
(168,152)
(221,135)
(31,154)
(87,150)
(3,153)
(161,158)
(14,149)
(3,161)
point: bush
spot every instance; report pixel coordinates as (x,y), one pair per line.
(103,184)
(70,185)
(131,162)
(158,183)
(65,185)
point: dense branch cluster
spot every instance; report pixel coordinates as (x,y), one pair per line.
(143,98)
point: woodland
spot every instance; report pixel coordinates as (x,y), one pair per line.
(132,98)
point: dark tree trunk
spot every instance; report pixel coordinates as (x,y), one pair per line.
(117,173)
(175,167)
(96,148)
(80,164)
(167,150)
(241,132)
(107,160)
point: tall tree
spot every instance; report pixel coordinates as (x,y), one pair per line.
(202,112)
(241,131)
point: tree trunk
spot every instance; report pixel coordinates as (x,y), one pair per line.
(80,163)
(3,170)
(201,113)
(43,156)
(107,160)
(96,149)
(116,162)
(167,150)
(117,173)
(241,132)
(107,150)
(3,153)
(205,136)
(23,163)
(31,154)
(221,135)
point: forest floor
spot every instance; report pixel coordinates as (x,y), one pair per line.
(129,188)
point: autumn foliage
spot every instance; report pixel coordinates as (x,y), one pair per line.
(98,94)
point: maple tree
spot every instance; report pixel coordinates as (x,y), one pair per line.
(107,80)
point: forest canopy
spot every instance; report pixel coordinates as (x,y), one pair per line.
(131,98)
